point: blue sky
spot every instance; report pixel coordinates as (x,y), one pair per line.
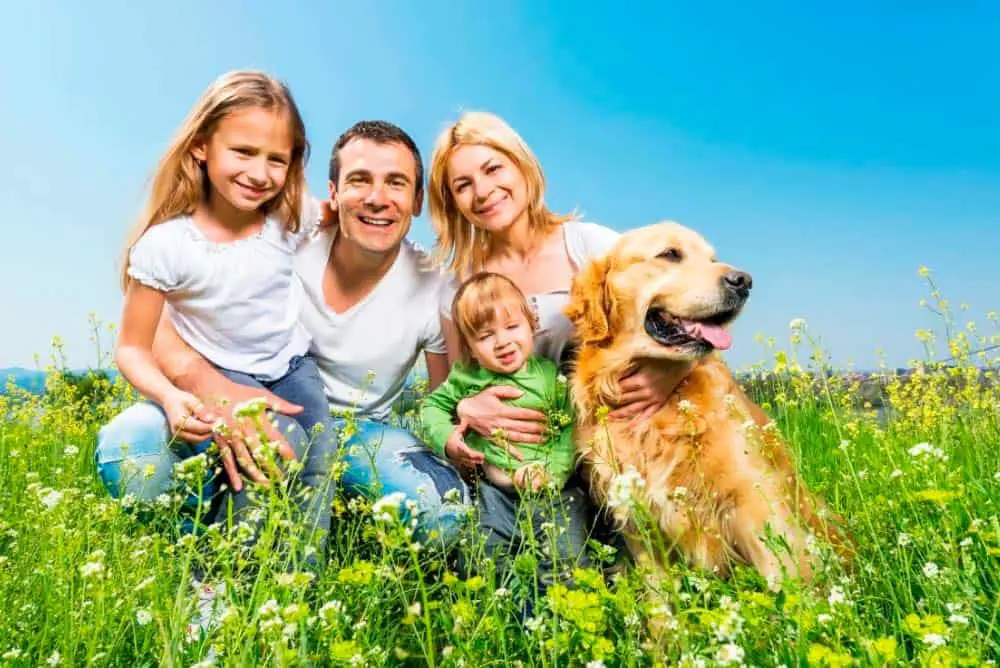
(828,149)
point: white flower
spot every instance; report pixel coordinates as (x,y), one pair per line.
(931,569)
(959,619)
(533,623)
(824,618)
(797,323)
(903,539)
(926,450)
(596,663)
(414,609)
(143,617)
(269,608)
(836,596)
(55,659)
(70,450)
(50,500)
(691,661)
(502,592)
(621,492)
(381,508)
(685,406)
(729,653)
(934,640)
(331,609)
(895,474)
(91,569)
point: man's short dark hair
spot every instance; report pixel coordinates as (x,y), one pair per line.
(380,132)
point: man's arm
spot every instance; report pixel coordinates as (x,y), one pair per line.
(181,363)
(437,414)
(437,369)
(191,372)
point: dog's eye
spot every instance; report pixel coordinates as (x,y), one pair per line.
(671,255)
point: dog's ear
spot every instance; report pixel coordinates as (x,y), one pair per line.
(591,303)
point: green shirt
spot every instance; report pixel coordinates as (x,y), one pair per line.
(545,390)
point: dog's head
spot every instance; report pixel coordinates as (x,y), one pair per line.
(658,293)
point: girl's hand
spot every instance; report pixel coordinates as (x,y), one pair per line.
(646,390)
(486,413)
(187,416)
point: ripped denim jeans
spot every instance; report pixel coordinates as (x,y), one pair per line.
(134,456)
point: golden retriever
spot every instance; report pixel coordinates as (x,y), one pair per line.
(709,467)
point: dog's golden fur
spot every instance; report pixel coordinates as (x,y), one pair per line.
(716,472)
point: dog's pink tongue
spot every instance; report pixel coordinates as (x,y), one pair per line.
(718,337)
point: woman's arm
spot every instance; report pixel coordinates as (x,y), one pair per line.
(647,389)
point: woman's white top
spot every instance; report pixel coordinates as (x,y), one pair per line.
(554,338)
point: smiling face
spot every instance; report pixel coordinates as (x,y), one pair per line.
(505,342)
(247,157)
(659,293)
(488,188)
(376,194)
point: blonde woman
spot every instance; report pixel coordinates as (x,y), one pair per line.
(487,203)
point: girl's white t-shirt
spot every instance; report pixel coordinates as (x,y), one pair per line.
(237,303)
(554,338)
(365,354)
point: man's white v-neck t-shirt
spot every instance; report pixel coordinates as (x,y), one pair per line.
(365,353)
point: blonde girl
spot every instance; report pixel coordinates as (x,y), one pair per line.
(214,248)
(487,204)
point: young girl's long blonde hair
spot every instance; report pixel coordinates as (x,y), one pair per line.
(179,183)
(461,247)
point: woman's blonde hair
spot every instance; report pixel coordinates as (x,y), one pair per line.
(477,301)
(461,247)
(179,183)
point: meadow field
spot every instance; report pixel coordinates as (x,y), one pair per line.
(87,580)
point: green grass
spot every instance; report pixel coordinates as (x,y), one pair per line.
(84,582)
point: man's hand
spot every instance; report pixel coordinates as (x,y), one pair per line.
(329,216)
(241,440)
(486,414)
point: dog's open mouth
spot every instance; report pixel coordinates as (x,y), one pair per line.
(667,330)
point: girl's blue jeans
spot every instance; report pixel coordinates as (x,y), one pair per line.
(134,455)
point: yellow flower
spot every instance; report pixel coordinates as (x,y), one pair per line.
(924,272)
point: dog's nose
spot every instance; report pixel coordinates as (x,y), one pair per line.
(738,280)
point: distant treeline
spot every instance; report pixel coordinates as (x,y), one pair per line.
(871,385)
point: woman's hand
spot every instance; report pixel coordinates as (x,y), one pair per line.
(486,413)
(645,390)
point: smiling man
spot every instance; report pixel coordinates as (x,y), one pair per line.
(371,309)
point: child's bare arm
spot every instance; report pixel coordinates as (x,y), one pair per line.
(134,354)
